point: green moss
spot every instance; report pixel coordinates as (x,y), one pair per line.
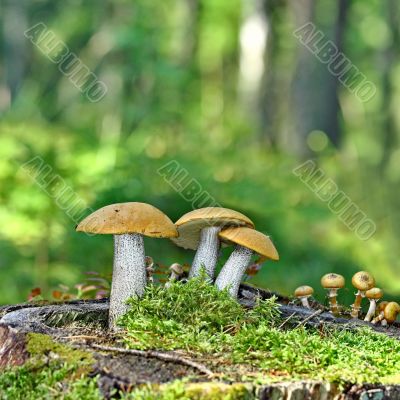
(181,390)
(198,318)
(39,345)
(50,382)
(54,371)
(218,391)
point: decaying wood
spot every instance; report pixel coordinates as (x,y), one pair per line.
(170,357)
(294,315)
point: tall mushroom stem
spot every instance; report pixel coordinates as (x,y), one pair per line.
(129,274)
(355,308)
(332,294)
(234,269)
(207,253)
(371,310)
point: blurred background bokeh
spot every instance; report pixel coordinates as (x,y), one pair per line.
(225,89)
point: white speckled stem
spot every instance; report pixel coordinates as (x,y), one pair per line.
(207,253)
(232,272)
(371,310)
(129,274)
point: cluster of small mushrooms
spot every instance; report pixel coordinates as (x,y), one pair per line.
(386,312)
(204,230)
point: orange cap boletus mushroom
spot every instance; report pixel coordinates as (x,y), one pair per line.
(248,242)
(128,222)
(198,230)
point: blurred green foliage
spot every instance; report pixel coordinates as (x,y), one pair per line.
(172,74)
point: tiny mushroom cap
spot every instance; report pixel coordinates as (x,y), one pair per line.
(130,217)
(374,293)
(251,239)
(176,268)
(332,281)
(190,225)
(391,311)
(382,305)
(363,281)
(303,291)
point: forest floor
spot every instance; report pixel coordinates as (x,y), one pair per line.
(267,348)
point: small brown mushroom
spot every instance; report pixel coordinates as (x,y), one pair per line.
(373,295)
(303,293)
(333,282)
(149,262)
(362,281)
(391,312)
(381,312)
(176,274)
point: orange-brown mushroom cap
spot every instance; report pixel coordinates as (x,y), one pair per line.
(382,305)
(133,217)
(332,281)
(391,311)
(304,290)
(374,293)
(251,239)
(363,281)
(190,224)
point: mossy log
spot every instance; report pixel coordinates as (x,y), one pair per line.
(80,323)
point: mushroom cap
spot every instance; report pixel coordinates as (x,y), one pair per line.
(177,268)
(190,224)
(391,311)
(332,281)
(131,217)
(304,290)
(251,239)
(363,281)
(382,305)
(374,293)
(149,262)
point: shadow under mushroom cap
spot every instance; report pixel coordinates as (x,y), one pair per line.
(190,224)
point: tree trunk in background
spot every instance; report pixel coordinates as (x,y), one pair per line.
(275,88)
(252,42)
(15,47)
(390,59)
(314,97)
(190,31)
